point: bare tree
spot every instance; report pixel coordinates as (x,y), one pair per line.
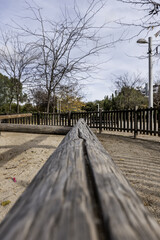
(129,92)
(128,81)
(66,46)
(150,16)
(16,59)
(156,93)
(153,7)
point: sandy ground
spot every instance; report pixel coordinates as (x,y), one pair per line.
(139,160)
(22,155)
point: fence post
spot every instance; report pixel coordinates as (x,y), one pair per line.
(159,121)
(135,122)
(100,120)
(69,119)
(38,118)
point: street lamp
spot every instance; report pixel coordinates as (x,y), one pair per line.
(149,42)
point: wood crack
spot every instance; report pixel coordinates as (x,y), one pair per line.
(103,232)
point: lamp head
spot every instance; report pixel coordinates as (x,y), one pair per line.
(142,41)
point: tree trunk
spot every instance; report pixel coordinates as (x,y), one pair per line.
(54,102)
(10,107)
(17,103)
(48,101)
(48,105)
(10,104)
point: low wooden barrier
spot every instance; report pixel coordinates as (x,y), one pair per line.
(24,128)
(2,117)
(12,116)
(79,194)
(41,129)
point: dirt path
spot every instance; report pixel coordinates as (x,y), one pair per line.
(139,160)
(22,155)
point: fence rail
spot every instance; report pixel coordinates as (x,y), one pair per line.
(143,121)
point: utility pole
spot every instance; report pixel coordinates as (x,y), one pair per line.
(150,73)
(150,66)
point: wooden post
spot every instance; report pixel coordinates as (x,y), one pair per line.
(38,118)
(159,121)
(155,120)
(150,120)
(135,122)
(100,120)
(69,119)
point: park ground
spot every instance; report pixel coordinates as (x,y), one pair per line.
(22,155)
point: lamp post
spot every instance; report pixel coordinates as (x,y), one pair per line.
(149,42)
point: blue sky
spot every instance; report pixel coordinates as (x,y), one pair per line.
(118,60)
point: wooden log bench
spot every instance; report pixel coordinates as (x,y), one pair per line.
(24,128)
(11,116)
(41,129)
(79,194)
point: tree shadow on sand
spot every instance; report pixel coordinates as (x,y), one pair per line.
(16,150)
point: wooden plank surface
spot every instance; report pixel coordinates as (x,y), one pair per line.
(124,215)
(79,194)
(42,129)
(57,204)
(15,116)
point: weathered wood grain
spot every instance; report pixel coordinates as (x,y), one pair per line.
(57,204)
(15,116)
(42,129)
(79,194)
(124,215)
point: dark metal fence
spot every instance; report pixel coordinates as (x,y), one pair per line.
(143,121)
